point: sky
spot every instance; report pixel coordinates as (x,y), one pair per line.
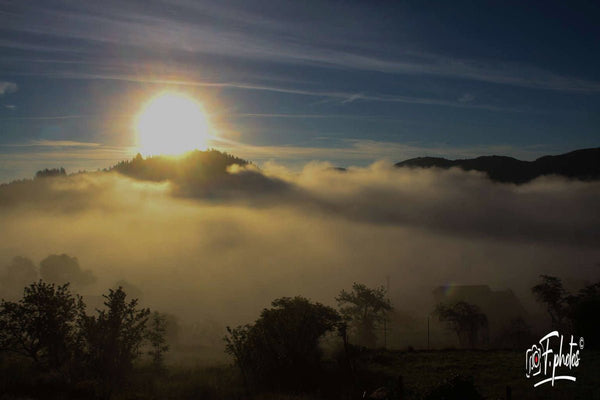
(340,81)
(298,88)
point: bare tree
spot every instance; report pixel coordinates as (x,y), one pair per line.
(365,309)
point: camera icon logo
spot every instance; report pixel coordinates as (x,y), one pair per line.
(533,361)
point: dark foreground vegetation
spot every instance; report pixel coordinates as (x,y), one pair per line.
(53,347)
(436,374)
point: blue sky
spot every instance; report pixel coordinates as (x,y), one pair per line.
(344,81)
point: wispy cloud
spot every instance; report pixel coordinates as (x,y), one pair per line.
(61,143)
(349,151)
(7,87)
(50,117)
(22,160)
(313,116)
(342,97)
(466,98)
(260,37)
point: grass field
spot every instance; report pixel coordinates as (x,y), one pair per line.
(492,372)
(421,371)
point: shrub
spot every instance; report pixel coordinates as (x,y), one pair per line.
(281,349)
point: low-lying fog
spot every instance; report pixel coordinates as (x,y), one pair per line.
(220,260)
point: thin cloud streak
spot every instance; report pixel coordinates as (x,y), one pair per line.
(369,151)
(55,143)
(7,87)
(72,155)
(157,31)
(314,116)
(53,117)
(343,97)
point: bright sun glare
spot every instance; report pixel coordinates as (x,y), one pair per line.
(171,123)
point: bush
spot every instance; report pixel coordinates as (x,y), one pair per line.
(280,351)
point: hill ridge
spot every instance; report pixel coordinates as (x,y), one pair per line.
(582,164)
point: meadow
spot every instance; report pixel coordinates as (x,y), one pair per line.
(491,371)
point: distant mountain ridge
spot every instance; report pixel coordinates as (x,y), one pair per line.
(579,164)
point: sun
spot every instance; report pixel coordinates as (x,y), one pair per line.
(171,124)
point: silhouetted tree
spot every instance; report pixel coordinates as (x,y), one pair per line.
(42,325)
(239,345)
(572,311)
(552,294)
(281,349)
(156,335)
(131,289)
(465,319)
(113,338)
(365,309)
(64,269)
(46,173)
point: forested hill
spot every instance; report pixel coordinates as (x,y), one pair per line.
(195,165)
(580,164)
(194,174)
(200,174)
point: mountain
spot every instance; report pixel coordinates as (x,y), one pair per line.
(580,164)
